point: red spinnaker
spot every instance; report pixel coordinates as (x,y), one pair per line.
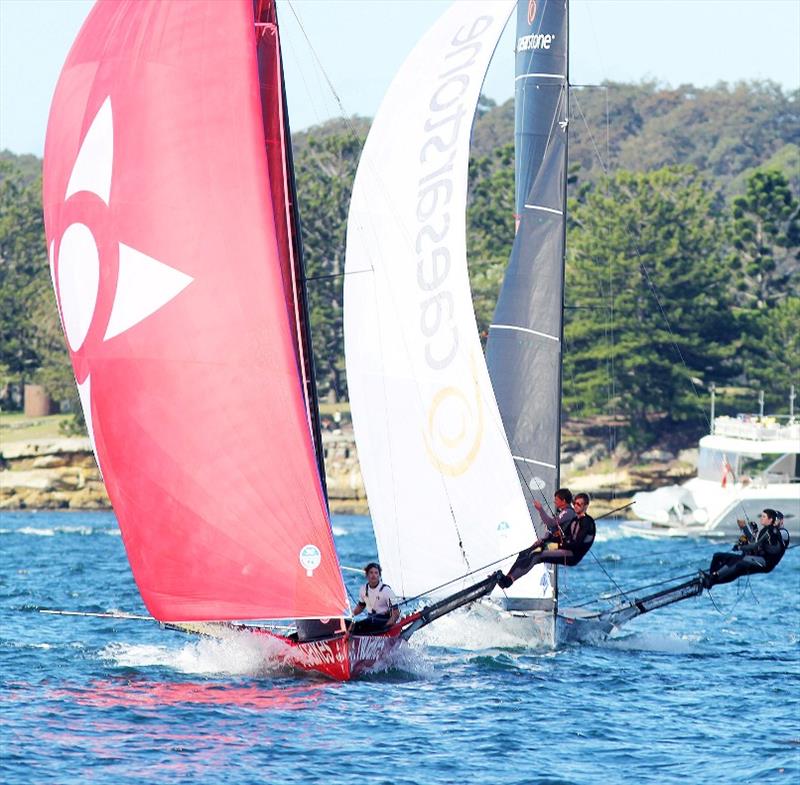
(170,277)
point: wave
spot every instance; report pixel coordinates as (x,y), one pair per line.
(483,626)
(52,531)
(652,641)
(238,654)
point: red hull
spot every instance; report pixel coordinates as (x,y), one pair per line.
(342,657)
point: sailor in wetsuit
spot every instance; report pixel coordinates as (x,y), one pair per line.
(760,555)
(783,532)
(566,544)
(379,601)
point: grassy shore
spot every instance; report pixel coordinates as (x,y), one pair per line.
(15,426)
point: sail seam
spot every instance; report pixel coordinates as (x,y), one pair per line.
(523,330)
(546,209)
(531,460)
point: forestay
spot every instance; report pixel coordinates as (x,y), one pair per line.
(443,490)
(169,274)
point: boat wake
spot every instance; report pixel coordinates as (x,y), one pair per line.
(481,626)
(245,654)
(650,641)
(238,654)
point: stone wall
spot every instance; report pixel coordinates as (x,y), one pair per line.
(62,474)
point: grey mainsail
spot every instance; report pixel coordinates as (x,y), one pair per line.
(524,345)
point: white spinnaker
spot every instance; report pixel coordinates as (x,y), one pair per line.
(443,492)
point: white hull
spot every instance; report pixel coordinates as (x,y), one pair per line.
(543,629)
(745,467)
(720,508)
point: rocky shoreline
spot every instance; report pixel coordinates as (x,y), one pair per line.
(61,473)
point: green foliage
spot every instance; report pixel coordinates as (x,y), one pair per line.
(23,272)
(490,229)
(325,167)
(721,130)
(706,245)
(765,234)
(771,352)
(31,342)
(643,270)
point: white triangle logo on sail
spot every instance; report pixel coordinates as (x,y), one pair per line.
(92,169)
(85,394)
(144,286)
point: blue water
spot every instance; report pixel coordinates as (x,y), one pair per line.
(702,692)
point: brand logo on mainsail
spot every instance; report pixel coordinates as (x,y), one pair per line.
(531,11)
(455,423)
(310,558)
(537,484)
(455,427)
(83,269)
(535,41)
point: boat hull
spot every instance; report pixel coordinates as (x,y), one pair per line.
(342,657)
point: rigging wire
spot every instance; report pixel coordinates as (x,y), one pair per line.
(486,566)
(634,591)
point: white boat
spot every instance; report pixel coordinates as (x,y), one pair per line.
(748,463)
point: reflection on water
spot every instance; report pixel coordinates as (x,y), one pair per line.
(118,693)
(183,728)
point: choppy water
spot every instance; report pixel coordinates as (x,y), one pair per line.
(695,693)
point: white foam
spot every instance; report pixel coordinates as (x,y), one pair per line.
(480,627)
(608,533)
(652,641)
(239,654)
(51,531)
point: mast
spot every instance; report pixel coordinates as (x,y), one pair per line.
(524,347)
(564,179)
(266,17)
(309,369)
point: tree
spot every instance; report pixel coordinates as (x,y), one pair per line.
(772,350)
(325,168)
(23,272)
(765,234)
(31,340)
(490,228)
(643,270)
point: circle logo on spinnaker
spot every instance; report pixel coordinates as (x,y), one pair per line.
(310,558)
(537,484)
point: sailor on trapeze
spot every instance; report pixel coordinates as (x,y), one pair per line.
(571,533)
(757,553)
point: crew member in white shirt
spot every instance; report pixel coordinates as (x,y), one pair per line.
(378,599)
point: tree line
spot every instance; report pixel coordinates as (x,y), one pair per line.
(683,250)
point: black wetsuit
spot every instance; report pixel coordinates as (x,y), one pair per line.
(577,538)
(762,555)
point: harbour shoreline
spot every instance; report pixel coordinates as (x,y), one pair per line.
(59,472)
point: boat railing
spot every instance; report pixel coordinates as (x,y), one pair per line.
(755,428)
